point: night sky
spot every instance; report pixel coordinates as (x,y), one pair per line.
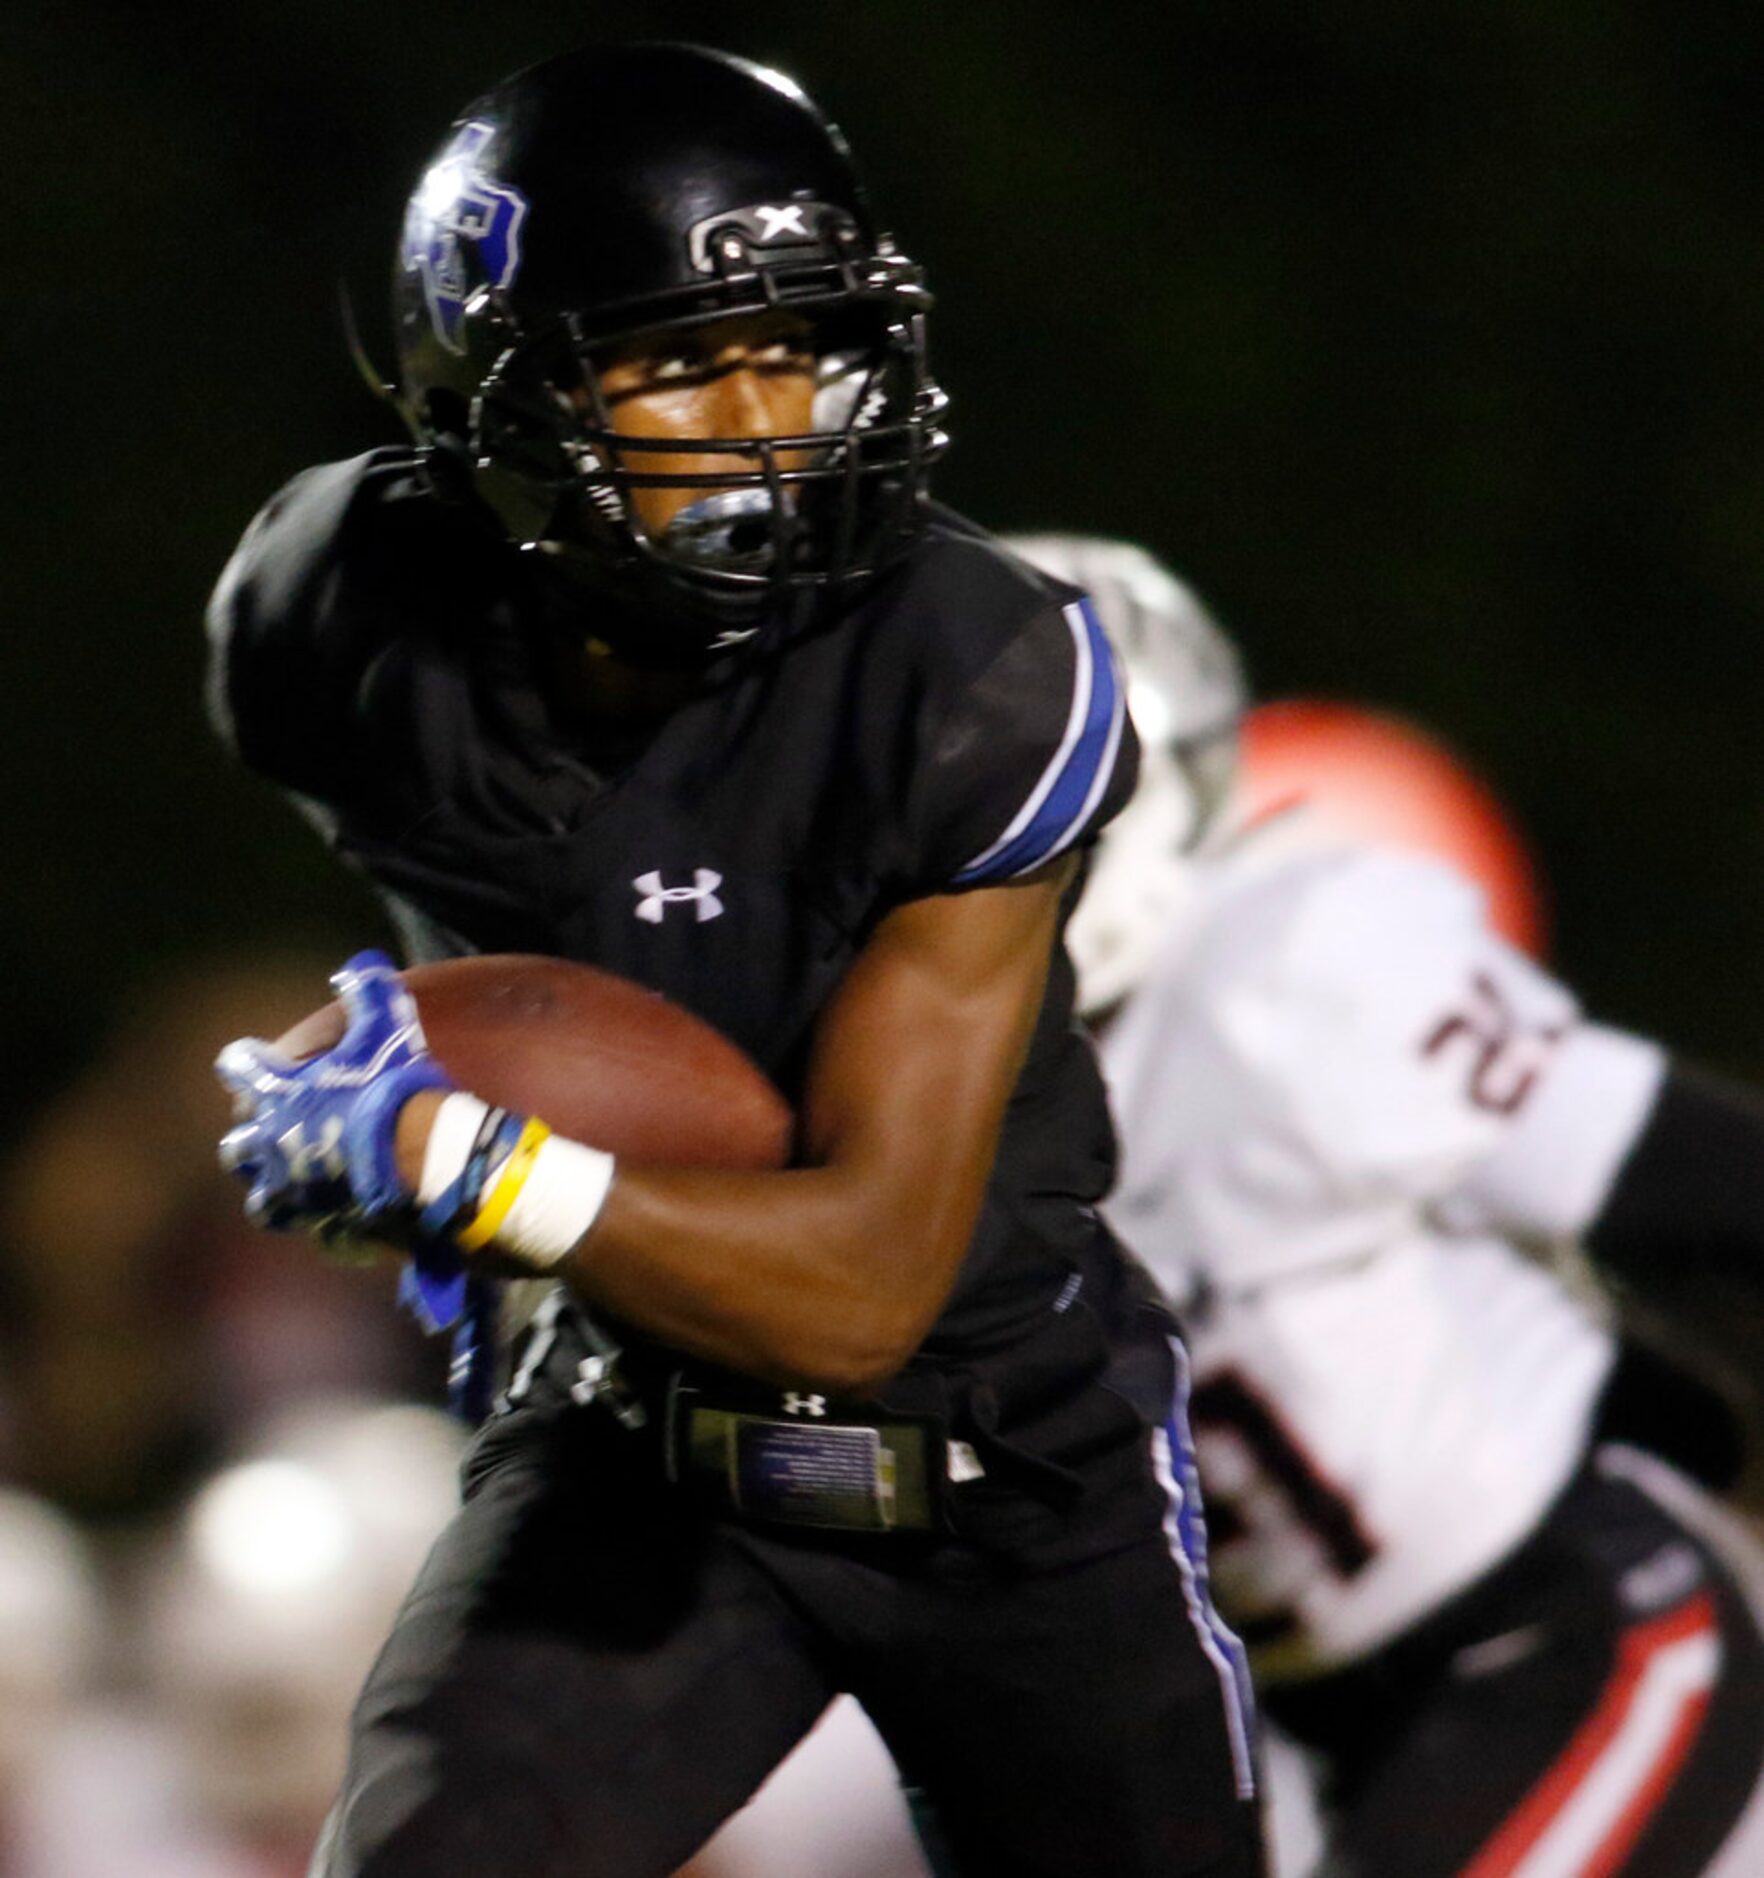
(1426,341)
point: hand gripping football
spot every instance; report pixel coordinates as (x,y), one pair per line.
(598,1057)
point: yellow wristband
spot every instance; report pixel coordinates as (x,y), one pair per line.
(509,1182)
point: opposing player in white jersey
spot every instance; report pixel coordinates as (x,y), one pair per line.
(1351,1114)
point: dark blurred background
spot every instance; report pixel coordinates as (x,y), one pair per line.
(1425,340)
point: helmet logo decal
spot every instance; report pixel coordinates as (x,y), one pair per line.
(462,231)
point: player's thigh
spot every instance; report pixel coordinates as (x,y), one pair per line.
(1633,1749)
(584,1681)
(1708,1815)
(1077,1721)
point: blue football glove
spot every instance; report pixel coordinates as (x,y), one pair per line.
(314,1143)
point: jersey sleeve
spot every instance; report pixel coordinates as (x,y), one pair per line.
(1347,1050)
(1028,759)
(1407,1037)
(1553,1170)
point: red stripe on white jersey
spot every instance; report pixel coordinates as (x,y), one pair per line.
(1585,1815)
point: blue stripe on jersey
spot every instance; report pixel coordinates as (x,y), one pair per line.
(1184,1528)
(1067,791)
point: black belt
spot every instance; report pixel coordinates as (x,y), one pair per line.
(796,1458)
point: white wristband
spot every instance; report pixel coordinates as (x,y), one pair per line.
(451,1135)
(560,1200)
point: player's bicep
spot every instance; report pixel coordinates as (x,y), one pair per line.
(833,1270)
(916,1056)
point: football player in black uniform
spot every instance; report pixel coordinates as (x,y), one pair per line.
(653,654)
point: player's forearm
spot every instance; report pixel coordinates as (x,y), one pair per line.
(1690,1193)
(800,1277)
(832,1272)
(826,1276)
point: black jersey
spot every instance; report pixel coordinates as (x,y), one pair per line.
(377,654)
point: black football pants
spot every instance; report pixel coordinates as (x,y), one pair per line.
(588,1677)
(1594,1708)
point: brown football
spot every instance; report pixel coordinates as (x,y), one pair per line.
(600,1058)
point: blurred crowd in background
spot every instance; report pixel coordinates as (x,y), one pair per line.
(227,1462)
(1426,345)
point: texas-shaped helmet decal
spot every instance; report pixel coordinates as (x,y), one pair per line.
(461,231)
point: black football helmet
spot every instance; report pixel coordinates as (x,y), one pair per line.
(626,190)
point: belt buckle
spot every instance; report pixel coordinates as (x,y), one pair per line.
(811,1462)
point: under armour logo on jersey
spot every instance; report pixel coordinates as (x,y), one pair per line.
(795,1404)
(657,897)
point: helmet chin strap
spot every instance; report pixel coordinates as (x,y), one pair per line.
(637,635)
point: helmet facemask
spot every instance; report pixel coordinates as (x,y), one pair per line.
(794,526)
